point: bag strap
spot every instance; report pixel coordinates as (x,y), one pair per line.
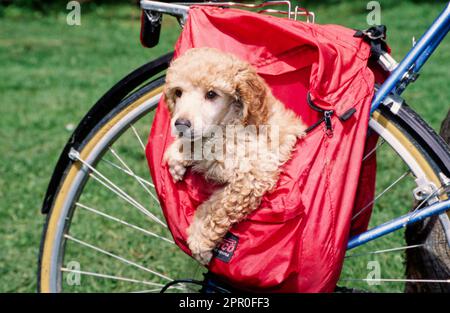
(376,37)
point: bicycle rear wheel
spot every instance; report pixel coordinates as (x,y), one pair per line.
(106,232)
(425,158)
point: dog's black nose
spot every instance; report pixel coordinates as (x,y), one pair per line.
(182,124)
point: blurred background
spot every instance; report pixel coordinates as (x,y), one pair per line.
(51,73)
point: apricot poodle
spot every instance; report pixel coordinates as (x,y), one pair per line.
(231,129)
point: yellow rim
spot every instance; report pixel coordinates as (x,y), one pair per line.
(412,149)
(60,199)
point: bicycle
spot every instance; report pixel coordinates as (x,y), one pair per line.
(115,125)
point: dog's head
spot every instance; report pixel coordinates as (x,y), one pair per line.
(206,88)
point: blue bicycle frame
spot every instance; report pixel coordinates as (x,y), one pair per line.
(404,73)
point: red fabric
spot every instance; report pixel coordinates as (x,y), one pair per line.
(296,240)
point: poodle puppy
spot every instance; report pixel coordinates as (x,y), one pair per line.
(219,104)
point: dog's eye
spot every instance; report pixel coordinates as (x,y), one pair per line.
(211,95)
(178,93)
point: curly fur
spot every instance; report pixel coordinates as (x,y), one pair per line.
(243,99)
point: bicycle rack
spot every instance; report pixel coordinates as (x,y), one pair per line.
(180,9)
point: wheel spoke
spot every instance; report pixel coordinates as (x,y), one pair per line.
(128,172)
(115,189)
(133,174)
(382,141)
(138,137)
(123,260)
(428,244)
(113,277)
(123,222)
(127,199)
(381,194)
(385,251)
(121,278)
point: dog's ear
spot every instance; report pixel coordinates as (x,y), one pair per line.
(253,94)
(168,98)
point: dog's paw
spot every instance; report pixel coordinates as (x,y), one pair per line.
(203,257)
(177,165)
(200,246)
(177,169)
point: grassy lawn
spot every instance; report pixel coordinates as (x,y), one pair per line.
(52,73)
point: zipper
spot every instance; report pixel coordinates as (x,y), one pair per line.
(326,116)
(328,126)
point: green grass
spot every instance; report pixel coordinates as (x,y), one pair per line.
(51,74)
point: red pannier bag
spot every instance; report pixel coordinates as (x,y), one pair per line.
(296,240)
